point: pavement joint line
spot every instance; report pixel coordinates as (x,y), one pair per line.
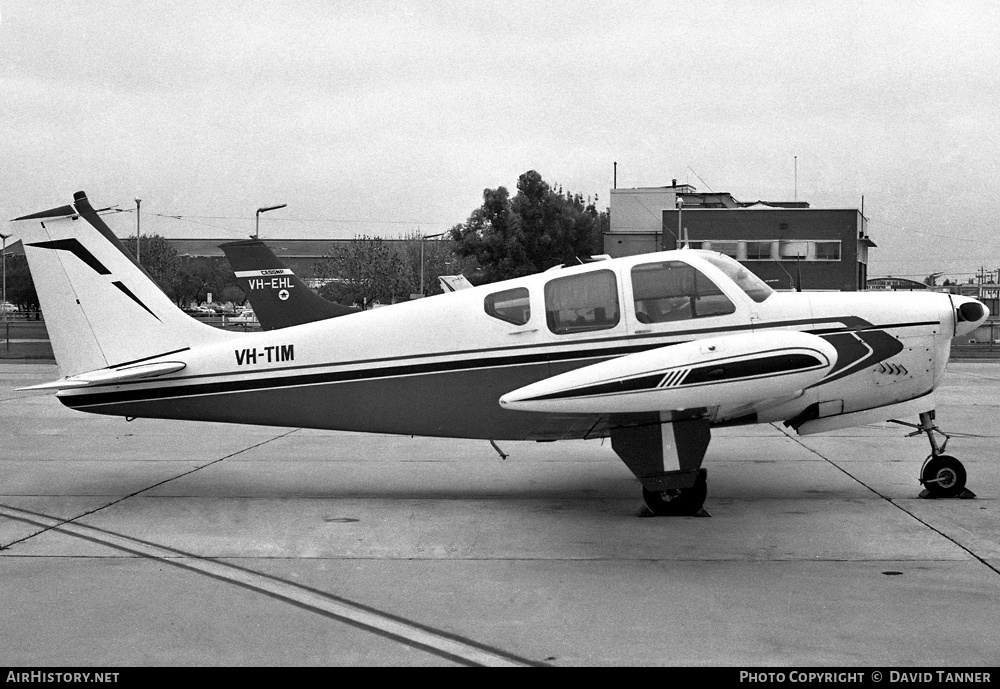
(439,643)
(895,504)
(373,558)
(148,488)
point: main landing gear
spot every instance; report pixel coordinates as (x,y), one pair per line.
(679,502)
(942,475)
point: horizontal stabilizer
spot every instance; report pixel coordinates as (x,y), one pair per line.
(453,283)
(111,375)
(730,370)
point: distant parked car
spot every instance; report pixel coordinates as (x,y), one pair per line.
(7,307)
(243,317)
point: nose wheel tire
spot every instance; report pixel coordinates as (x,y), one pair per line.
(943,476)
(678,502)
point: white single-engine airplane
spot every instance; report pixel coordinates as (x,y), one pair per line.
(651,351)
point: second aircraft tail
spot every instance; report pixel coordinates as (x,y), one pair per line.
(278,297)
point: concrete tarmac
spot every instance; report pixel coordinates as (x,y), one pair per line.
(179,543)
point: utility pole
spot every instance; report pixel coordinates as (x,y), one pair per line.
(3,257)
(138,235)
(422,238)
(680,231)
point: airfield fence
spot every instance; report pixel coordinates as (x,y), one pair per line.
(23,334)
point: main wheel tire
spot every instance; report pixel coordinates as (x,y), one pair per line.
(678,502)
(943,476)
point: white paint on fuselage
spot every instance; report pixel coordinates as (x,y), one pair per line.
(455,327)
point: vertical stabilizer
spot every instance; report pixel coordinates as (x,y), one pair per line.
(101,308)
(278,297)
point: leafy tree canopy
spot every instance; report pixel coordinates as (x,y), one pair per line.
(158,258)
(537,229)
(362,272)
(20,286)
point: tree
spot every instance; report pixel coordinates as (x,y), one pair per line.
(435,255)
(20,286)
(362,272)
(537,229)
(199,277)
(158,258)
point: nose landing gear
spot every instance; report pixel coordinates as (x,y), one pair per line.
(942,475)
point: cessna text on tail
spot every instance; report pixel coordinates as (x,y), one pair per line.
(652,351)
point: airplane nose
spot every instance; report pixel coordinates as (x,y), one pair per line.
(969,314)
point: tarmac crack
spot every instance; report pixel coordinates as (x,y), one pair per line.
(443,644)
(889,500)
(57,523)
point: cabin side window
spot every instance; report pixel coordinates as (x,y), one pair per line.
(577,303)
(675,291)
(511,305)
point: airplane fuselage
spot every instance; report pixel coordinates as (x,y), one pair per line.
(438,366)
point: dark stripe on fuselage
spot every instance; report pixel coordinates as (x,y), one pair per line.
(267,380)
(717,372)
(762,367)
(147,358)
(613,388)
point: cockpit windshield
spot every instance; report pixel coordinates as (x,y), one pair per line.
(754,287)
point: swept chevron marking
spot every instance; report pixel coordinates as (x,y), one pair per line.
(77,249)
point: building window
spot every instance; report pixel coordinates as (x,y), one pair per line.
(675,291)
(731,249)
(510,305)
(758,251)
(794,249)
(577,303)
(827,251)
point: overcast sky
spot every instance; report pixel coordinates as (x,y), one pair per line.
(392,117)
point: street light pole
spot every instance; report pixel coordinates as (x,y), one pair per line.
(256,233)
(4,255)
(422,238)
(138,234)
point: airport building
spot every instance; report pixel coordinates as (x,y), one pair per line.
(785,243)
(298,254)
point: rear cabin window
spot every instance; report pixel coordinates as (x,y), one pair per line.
(577,303)
(675,291)
(511,305)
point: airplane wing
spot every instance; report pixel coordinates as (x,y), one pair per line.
(278,297)
(732,370)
